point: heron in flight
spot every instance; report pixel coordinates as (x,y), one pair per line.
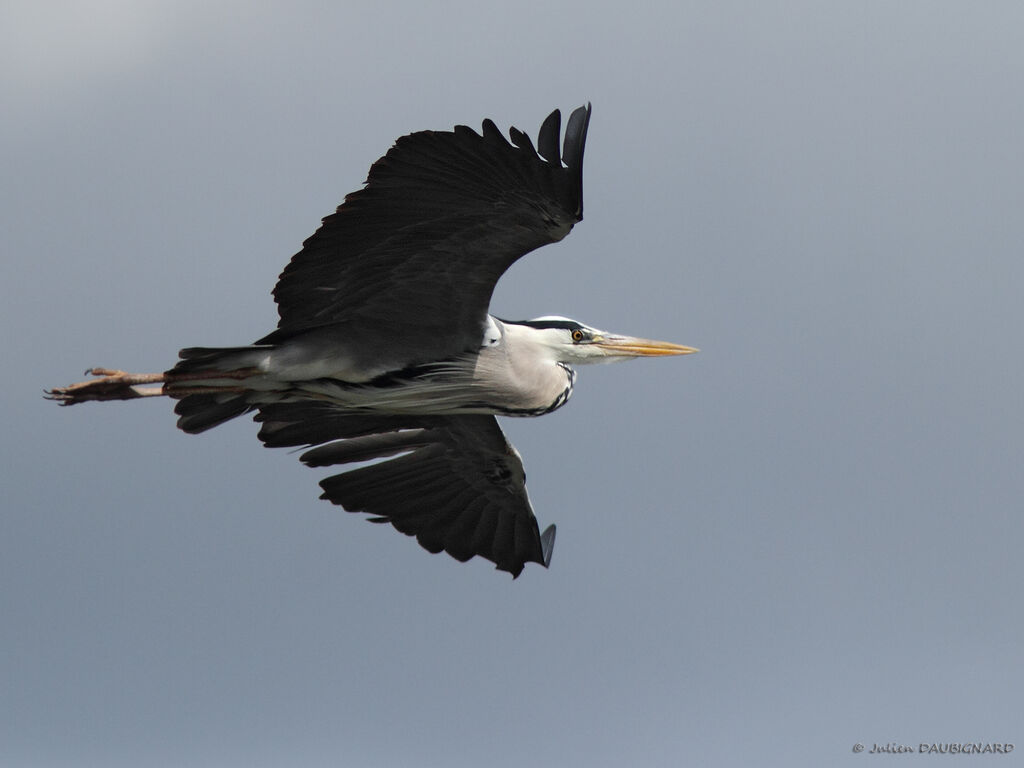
(385,354)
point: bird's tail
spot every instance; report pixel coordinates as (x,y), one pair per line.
(207,382)
(209,359)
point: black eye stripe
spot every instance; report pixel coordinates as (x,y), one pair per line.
(567,325)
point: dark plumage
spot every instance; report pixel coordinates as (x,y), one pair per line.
(455,483)
(448,210)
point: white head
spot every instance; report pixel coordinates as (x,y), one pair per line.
(570,341)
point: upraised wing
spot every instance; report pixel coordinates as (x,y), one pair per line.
(415,254)
(455,483)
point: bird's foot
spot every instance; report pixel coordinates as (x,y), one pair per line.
(111,385)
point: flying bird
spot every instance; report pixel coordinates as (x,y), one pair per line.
(386,356)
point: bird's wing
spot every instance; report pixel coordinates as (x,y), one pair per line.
(455,483)
(416,253)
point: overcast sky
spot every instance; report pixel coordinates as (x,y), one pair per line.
(805,537)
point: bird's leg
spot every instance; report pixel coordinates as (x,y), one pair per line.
(112,385)
(118,385)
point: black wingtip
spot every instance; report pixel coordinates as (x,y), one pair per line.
(547,544)
(521,140)
(572,149)
(576,136)
(547,137)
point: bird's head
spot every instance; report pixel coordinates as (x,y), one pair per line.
(572,342)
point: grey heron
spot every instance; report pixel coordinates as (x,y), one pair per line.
(386,356)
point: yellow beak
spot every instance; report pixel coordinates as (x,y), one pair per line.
(629,346)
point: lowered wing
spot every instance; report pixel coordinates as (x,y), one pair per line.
(455,483)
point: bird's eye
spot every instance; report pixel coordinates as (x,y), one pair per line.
(578,335)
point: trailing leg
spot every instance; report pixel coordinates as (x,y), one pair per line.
(112,385)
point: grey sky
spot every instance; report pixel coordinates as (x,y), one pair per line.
(805,537)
